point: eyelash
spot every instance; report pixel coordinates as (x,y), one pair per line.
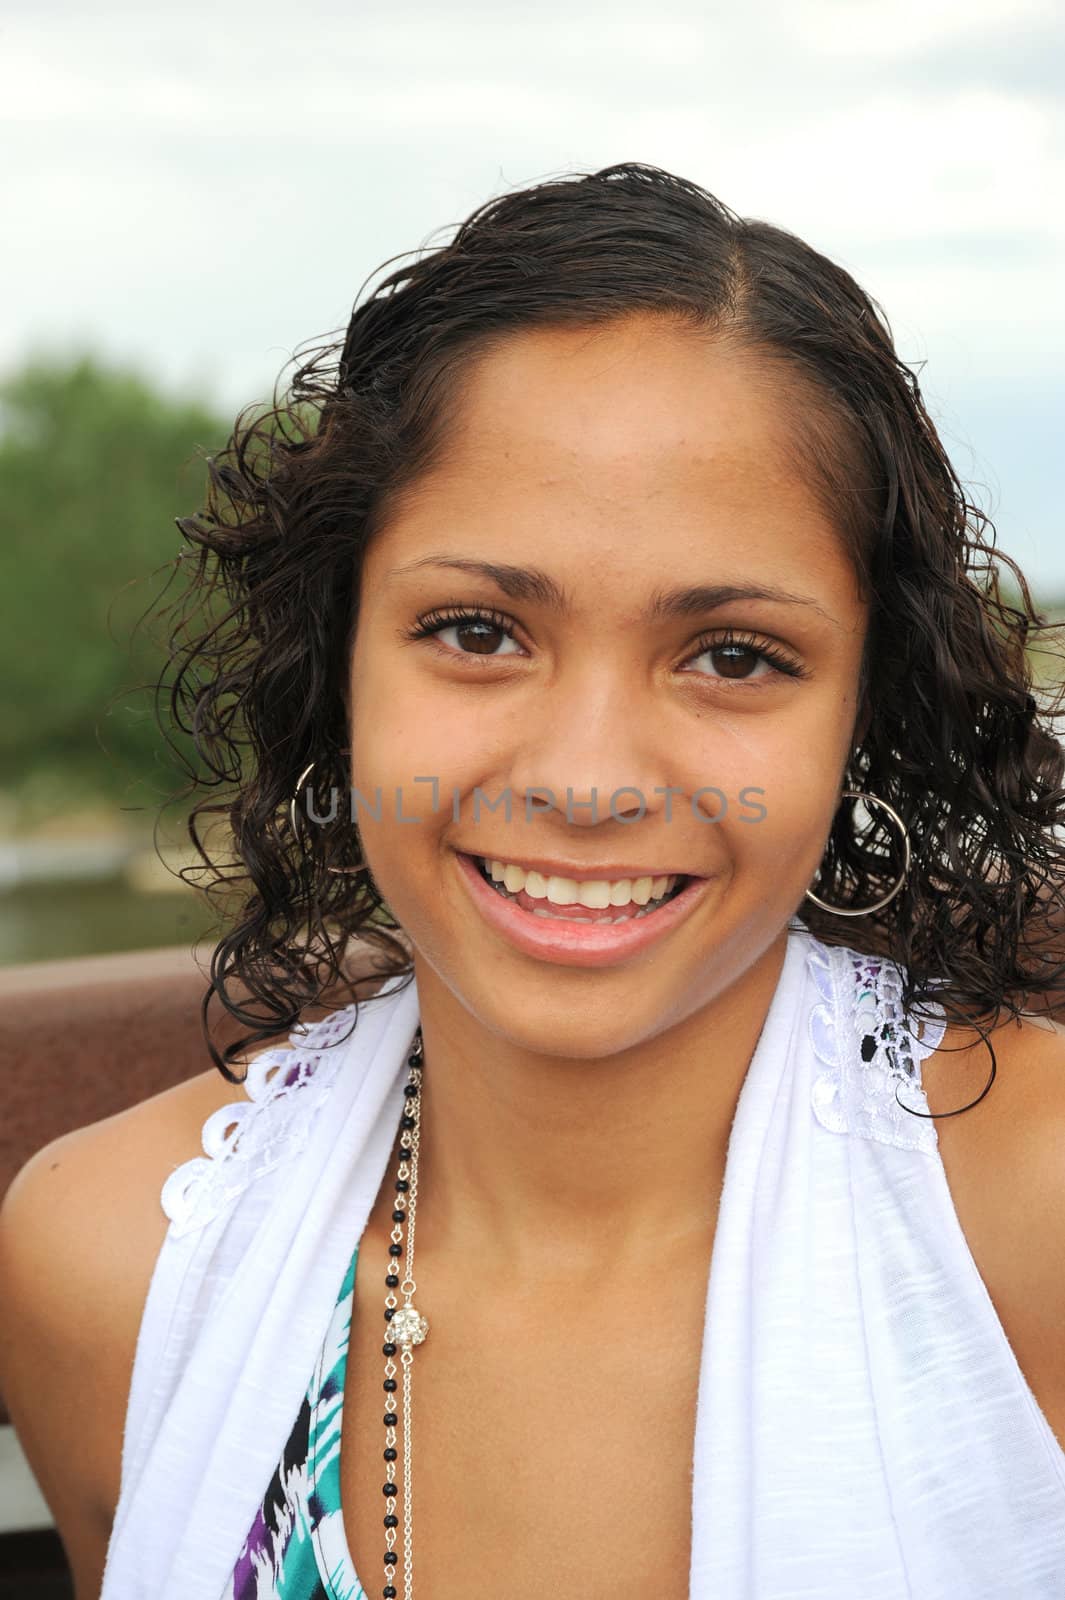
(433,622)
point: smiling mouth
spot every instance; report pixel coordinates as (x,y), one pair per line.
(540,906)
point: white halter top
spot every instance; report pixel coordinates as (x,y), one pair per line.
(863,1427)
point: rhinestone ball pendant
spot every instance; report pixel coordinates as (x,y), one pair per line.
(407,1326)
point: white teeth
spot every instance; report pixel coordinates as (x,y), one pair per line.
(598,894)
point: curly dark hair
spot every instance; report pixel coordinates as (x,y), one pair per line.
(261,644)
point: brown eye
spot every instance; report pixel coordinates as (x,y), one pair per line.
(475,633)
(735,661)
(743,658)
(477,638)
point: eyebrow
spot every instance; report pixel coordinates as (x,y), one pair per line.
(532,585)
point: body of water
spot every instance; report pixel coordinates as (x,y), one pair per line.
(47,921)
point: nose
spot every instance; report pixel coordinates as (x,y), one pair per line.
(590,754)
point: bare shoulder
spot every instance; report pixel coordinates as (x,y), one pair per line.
(80,1230)
(1005,1166)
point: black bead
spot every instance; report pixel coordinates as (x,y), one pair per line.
(390,1385)
(388,1489)
(390,1419)
(402,1184)
(392,1280)
(390,1454)
(388,1349)
(395,1249)
(411,1091)
(390,1558)
(399,1216)
(407,1123)
(391,1521)
(388,1592)
(390,1312)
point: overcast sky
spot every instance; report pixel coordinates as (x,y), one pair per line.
(201,190)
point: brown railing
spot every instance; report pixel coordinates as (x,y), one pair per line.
(82,1039)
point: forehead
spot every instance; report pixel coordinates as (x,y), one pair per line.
(635,441)
(634,396)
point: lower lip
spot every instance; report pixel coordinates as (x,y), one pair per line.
(577,944)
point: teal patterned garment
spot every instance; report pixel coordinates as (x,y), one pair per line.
(296,1549)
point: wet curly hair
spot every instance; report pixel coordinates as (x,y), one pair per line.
(262,633)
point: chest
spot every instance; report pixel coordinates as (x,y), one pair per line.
(553,1437)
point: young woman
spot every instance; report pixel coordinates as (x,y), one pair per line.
(602,635)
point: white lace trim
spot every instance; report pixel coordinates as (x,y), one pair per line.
(869,1056)
(858,1031)
(285,1085)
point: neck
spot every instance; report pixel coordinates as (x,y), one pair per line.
(531,1162)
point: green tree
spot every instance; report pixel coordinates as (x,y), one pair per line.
(95,464)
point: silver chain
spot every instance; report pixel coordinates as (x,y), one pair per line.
(404,1327)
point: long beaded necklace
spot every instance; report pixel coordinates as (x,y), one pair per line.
(404,1328)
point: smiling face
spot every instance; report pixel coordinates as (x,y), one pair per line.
(672,624)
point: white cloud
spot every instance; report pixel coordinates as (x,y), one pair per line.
(902,28)
(205,188)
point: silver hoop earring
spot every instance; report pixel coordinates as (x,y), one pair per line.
(363,866)
(878,905)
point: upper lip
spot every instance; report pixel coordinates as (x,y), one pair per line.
(580,874)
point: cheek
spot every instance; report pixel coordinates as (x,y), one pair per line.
(409,755)
(782,777)
(416,763)
(419,732)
